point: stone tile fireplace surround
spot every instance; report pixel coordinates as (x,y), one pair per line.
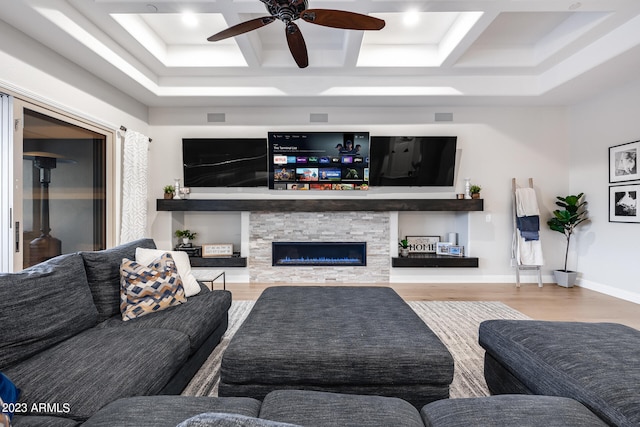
(361,226)
(375,221)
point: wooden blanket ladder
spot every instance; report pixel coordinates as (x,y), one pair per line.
(517,264)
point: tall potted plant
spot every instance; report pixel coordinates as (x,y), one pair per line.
(565,221)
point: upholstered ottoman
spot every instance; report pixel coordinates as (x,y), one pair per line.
(597,364)
(509,411)
(356,340)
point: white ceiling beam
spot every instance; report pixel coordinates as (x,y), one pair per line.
(469,39)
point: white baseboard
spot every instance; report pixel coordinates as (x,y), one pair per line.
(610,290)
(525,278)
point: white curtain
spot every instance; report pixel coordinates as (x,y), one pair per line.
(7,237)
(134,186)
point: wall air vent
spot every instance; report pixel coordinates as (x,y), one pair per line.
(319,118)
(443,117)
(216,118)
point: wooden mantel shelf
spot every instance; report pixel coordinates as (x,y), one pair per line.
(319,205)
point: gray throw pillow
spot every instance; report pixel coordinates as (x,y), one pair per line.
(103,274)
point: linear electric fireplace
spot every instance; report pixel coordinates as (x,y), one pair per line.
(335,254)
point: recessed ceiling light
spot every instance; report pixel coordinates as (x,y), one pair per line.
(189,19)
(411,18)
(575,6)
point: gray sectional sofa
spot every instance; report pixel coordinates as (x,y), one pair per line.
(324,409)
(596,364)
(64,343)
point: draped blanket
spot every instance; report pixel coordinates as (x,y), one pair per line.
(527,246)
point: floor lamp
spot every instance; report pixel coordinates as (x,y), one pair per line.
(46,246)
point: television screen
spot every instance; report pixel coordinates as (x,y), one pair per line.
(318,160)
(421,161)
(224,162)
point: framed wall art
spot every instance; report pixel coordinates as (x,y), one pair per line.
(623,203)
(422,244)
(623,162)
(217,250)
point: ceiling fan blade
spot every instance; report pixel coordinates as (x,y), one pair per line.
(342,19)
(297,46)
(242,28)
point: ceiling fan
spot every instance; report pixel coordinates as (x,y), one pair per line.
(290,10)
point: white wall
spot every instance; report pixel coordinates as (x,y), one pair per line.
(496,144)
(33,69)
(605,253)
(30,70)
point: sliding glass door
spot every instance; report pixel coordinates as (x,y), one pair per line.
(62,187)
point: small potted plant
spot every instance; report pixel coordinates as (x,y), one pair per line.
(565,221)
(404,248)
(169,191)
(475,191)
(186,236)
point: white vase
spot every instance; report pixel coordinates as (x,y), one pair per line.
(467,188)
(177,189)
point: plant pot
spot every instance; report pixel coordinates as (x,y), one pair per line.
(565,279)
(475,195)
(404,252)
(168,195)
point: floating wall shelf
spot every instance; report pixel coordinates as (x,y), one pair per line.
(434,261)
(319,205)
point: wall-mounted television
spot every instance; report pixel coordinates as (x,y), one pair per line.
(318,160)
(407,161)
(224,162)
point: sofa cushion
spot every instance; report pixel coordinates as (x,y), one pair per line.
(159,411)
(335,409)
(99,366)
(146,289)
(42,306)
(43,421)
(229,420)
(191,286)
(103,274)
(597,364)
(508,411)
(197,318)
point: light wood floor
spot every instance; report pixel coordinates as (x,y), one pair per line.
(551,302)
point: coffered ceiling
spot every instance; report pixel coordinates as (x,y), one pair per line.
(431,52)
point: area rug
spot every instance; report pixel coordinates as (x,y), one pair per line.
(455,322)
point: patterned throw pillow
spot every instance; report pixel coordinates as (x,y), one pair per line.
(190,283)
(151,288)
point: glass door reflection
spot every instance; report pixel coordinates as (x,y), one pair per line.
(64,191)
